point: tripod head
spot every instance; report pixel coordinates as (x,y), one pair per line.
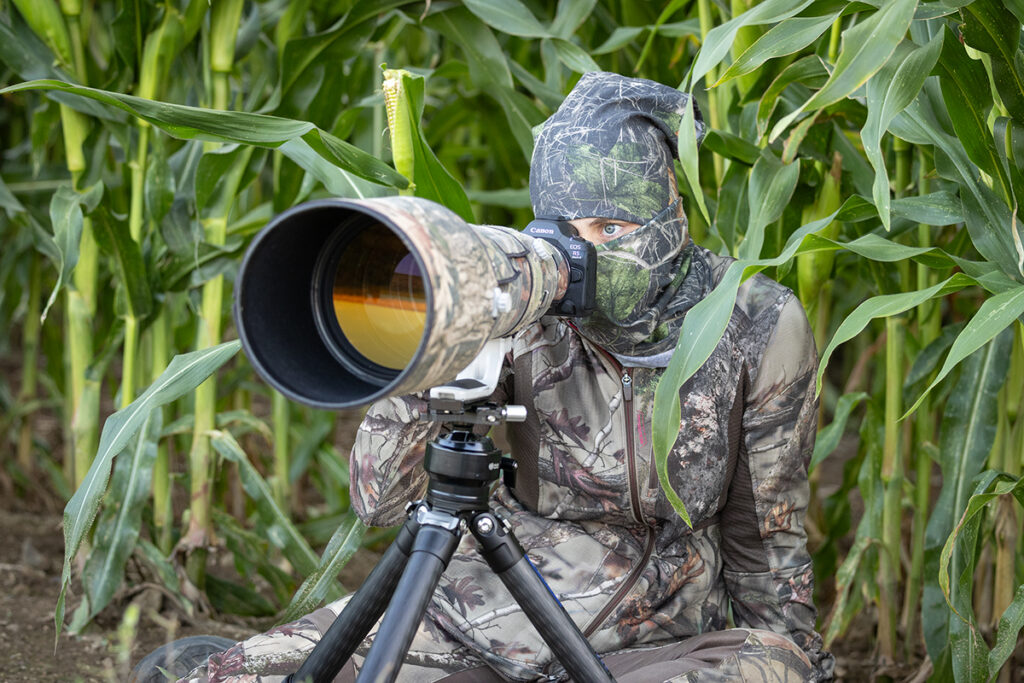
(463,464)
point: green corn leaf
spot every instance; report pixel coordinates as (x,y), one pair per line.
(508,16)
(159,187)
(126,257)
(688,156)
(667,12)
(968,107)
(1010,624)
(771,187)
(184,373)
(574,56)
(67,217)
(190,123)
(866,48)
(219,178)
(283,532)
(8,201)
(894,87)
(988,218)
(878,248)
(251,552)
(1017,7)
(996,314)
(990,27)
(883,307)
(733,214)
(28,57)
(788,37)
(335,180)
(340,549)
(46,21)
(118,528)
(1009,138)
(968,432)
(828,438)
(844,610)
(619,38)
(970,652)
(162,568)
(719,39)
(702,329)
(570,16)
(228,597)
(732,146)
(809,71)
(936,208)
(488,67)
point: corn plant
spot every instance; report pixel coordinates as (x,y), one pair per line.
(870,155)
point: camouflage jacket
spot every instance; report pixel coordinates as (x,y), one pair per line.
(589,509)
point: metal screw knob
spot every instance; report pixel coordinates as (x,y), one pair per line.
(485,525)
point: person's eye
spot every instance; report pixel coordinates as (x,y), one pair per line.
(611,229)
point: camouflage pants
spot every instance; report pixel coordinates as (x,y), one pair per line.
(732,655)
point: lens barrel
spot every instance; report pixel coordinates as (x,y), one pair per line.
(339,303)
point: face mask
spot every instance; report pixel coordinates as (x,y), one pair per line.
(638,276)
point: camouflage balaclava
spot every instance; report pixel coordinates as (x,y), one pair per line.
(607,152)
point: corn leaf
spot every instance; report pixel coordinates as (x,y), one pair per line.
(772,183)
(719,39)
(118,528)
(866,48)
(702,329)
(969,106)
(184,373)
(508,16)
(996,314)
(882,307)
(785,38)
(190,123)
(968,432)
(340,549)
(126,257)
(688,144)
(282,531)
(990,27)
(828,438)
(889,92)
(971,655)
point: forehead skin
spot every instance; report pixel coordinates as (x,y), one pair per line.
(597,230)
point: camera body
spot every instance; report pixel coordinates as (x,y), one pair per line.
(581,294)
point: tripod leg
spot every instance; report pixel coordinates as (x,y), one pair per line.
(508,560)
(361,612)
(436,541)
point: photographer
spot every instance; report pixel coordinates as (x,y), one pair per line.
(588,506)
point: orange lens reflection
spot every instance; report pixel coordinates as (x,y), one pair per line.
(379,298)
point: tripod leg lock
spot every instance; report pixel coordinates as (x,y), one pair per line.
(497,545)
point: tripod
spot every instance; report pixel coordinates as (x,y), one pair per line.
(461,468)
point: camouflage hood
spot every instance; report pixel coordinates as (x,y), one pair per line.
(608,152)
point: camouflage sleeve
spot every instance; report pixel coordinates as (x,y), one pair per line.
(768,569)
(385,464)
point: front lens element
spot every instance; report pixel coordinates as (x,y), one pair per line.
(379,297)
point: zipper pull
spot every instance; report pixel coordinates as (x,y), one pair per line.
(627,386)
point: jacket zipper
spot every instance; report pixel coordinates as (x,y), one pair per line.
(634,495)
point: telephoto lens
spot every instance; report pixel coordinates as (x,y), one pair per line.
(339,302)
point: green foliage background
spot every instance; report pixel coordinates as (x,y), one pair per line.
(870,155)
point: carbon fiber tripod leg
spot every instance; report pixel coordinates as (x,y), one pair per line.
(360,614)
(436,541)
(508,560)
